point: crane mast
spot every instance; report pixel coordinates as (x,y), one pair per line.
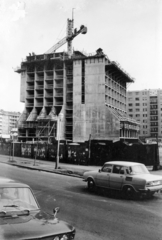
(70,35)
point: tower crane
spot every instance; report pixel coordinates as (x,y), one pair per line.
(69,37)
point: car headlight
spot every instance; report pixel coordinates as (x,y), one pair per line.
(56,238)
(64,237)
(153,183)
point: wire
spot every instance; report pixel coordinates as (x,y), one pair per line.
(61,32)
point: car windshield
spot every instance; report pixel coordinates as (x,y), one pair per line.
(17,197)
(139,169)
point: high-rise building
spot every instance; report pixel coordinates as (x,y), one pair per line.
(90,92)
(8,121)
(146,107)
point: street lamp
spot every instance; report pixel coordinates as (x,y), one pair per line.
(60,117)
(14,136)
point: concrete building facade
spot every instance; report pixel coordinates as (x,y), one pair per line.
(146,107)
(88,90)
(8,121)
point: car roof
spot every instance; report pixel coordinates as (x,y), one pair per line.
(8,182)
(123,163)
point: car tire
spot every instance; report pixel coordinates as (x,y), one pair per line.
(129,192)
(91,185)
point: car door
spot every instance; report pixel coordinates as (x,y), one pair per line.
(102,178)
(117,177)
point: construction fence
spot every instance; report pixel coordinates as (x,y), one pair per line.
(89,153)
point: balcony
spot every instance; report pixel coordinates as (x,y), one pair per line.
(48,95)
(48,77)
(69,81)
(59,103)
(29,87)
(69,107)
(30,79)
(39,104)
(58,76)
(58,95)
(39,87)
(29,96)
(69,90)
(49,104)
(58,85)
(29,104)
(49,86)
(69,72)
(39,96)
(40,79)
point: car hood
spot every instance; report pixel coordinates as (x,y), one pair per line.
(33,226)
(147,177)
(88,173)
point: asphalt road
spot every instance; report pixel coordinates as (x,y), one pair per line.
(95,216)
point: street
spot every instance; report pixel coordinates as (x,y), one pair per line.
(94,216)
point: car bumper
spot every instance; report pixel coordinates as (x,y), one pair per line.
(151,189)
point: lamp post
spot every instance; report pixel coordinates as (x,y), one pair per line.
(14,136)
(60,116)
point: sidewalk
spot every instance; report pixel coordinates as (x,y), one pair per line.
(49,166)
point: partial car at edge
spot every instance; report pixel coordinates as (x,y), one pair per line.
(21,217)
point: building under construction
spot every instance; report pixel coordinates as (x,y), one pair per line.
(88,90)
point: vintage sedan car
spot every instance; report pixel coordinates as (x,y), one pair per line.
(22,218)
(130,178)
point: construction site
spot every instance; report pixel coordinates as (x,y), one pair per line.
(73,96)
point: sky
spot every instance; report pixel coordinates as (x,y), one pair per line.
(128,31)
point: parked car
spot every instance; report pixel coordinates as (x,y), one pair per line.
(22,218)
(128,177)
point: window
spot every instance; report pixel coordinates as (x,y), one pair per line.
(137,104)
(153,118)
(130,99)
(130,115)
(144,109)
(144,126)
(153,112)
(107,168)
(130,110)
(144,104)
(144,115)
(137,99)
(137,115)
(137,109)
(145,121)
(116,169)
(137,93)
(130,104)
(154,123)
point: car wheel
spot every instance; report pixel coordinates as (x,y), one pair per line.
(129,192)
(91,185)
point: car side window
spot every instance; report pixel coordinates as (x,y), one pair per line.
(116,169)
(128,170)
(122,170)
(107,168)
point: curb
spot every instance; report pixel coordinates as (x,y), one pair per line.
(67,173)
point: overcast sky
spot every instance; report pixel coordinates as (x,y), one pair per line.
(128,31)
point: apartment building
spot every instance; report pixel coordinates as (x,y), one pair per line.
(146,107)
(8,121)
